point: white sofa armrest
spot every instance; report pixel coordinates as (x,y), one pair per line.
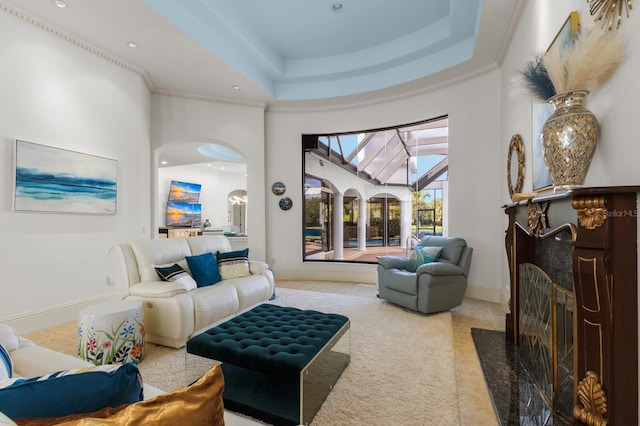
(256,267)
(11,340)
(159,289)
(36,361)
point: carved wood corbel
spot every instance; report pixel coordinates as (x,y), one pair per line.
(592,211)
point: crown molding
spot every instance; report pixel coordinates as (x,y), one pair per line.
(506,42)
(77,43)
(209,99)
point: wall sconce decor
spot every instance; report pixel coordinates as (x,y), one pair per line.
(278,188)
(285,203)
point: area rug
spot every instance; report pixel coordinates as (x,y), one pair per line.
(402,368)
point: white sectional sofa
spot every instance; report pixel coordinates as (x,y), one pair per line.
(31,360)
(172,311)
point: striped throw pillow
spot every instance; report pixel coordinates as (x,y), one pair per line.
(6,365)
(233,264)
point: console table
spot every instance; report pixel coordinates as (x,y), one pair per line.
(598,226)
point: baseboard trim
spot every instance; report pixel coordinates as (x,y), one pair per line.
(54,315)
(362,274)
(505,297)
(368,274)
(487,294)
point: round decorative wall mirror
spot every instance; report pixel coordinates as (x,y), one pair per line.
(515,165)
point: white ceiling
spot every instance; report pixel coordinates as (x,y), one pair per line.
(291,53)
(304,50)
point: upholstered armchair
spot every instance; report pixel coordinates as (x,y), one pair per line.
(436,286)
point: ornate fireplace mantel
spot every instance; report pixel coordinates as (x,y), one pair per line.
(602,224)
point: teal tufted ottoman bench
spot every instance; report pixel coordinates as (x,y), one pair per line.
(279,363)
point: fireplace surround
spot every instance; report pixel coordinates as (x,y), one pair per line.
(579,248)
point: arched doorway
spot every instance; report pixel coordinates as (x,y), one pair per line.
(219,169)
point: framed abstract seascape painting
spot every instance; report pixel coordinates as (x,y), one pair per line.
(49,179)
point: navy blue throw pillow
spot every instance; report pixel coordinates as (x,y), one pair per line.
(80,390)
(204,269)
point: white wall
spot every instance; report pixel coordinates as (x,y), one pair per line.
(58,94)
(475,165)
(183,119)
(214,195)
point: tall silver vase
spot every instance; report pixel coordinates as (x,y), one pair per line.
(569,138)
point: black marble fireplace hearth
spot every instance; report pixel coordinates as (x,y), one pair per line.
(515,398)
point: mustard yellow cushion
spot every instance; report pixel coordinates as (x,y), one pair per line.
(198,404)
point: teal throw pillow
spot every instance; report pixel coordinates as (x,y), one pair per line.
(204,269)
(81,390)
(431,254)
(422,255)
(416,259)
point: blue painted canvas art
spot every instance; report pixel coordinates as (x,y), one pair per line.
(49,179)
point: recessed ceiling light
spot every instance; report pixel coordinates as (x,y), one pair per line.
(60,3)
(236,87)
(164,163)
(132,44)
(336,7)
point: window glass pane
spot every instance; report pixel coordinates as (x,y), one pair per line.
(367,193)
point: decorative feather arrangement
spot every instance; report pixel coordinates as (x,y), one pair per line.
(555,63)
(536,79)
(588,63)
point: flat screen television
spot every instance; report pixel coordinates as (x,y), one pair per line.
(184,215)
(184,192)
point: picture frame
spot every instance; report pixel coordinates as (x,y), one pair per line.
(56,180)
(540,112)
(185,192)
(183,214)
(567,33)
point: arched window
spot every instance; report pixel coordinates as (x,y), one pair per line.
(368,193)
